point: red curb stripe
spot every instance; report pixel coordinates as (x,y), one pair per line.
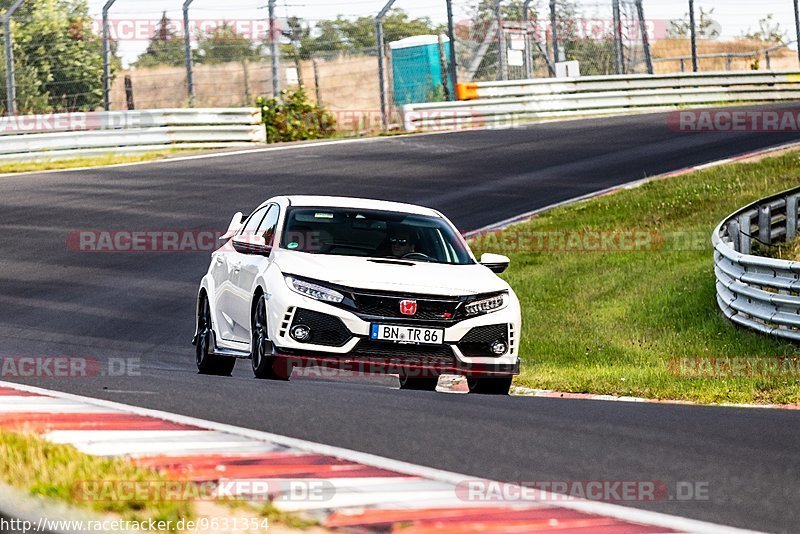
(45,422)
(596,525)
(8,392)
(278,465)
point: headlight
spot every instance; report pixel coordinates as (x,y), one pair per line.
(314,291)
(486,305)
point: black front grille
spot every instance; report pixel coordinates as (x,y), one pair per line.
(478,341)
(380,349)
(326,329)
(428,309)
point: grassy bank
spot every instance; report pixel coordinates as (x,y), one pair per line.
(38,467)
(615,289)
(97,161)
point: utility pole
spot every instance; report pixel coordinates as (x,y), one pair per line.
(274,41)
(11,82)
(187,46)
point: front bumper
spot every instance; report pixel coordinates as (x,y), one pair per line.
(349,348)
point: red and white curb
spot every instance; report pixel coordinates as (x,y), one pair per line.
(366,492)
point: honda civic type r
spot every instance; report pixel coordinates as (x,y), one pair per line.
(361,285)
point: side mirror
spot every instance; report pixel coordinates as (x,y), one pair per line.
(495,262)
(251,244)
(236,224)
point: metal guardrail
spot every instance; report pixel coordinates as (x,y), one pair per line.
(500,102)
(753,291)
(70,135)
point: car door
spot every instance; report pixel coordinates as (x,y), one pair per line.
(251,265)
(226,268)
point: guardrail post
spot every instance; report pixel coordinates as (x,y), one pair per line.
(765,225)
(187,47)
(745,237)
(791,217)
(11,82)
(734,232)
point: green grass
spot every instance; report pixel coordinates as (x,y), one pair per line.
(610,322)
(61,472)
(97,161)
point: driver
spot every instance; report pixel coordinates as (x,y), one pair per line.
(401,244)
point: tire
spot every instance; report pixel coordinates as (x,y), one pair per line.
(490,386)
(260,345)
(207,363)
(418,384)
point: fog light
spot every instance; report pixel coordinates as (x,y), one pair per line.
(301,333)
(499,348)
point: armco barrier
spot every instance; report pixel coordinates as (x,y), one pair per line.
(70,135)
(495,103)
(758,292)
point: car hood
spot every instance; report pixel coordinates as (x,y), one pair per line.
(416,277)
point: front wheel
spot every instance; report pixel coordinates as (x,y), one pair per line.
(208,363)
(261,346)
(490,386)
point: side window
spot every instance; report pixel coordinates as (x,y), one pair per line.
(268,225)
(252,223)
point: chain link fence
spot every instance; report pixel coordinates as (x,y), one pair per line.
(235,52)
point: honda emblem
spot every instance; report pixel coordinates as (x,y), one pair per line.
(408,307)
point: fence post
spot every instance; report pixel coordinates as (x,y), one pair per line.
(381,59)
(693,32)
(274,51)
(11,82)
(129,93)
(528,66)
(554,30)
(451,33)
(317,89)
(106,62)
(618,52)
(797,26)
(648,58)
(187,46)
(501,42)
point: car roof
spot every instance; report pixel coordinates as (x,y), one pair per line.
(358,203)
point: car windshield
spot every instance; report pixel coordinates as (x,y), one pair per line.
(373,234)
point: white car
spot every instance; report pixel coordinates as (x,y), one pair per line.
(359,285)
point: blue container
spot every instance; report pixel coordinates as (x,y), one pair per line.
(417,69)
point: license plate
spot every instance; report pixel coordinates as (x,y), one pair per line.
(407,334)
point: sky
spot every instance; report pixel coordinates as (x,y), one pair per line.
(133,19)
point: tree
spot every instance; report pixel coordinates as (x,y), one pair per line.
(224,44)
(166,47)
(355,36)
(707,27)
(57,57)
(768,31)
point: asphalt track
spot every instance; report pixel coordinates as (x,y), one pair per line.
(140,305)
